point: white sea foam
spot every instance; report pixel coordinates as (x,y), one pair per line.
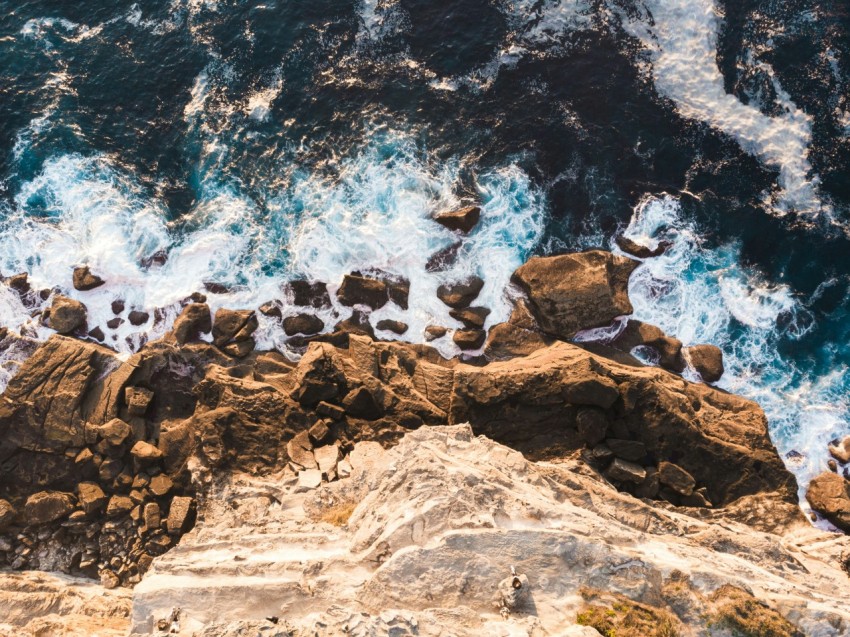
(703,295)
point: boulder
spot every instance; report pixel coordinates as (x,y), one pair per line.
(66,315)
(358,323)
(193,321)
(625,471)
(330,410)
(300,451)
(97,334)
(19,283)
(829,495)
(469,339)
(641,251)
(319,431)
(308,294)
(433,332)
(574,292)
(92,498)
(138,399)
(444,258)
(233,326)
(271,309)
(327,458)
(7,515)
(145,452)
(137,317)
(308,479)
(631,450)
(360,290)
(840,449)
(152,516)
(389,325)
(119,505)
(47,506)
(161,485)
(506,341)
(180,514)
(85,280)
(303,323)
(115,432)
(460,294)
(707,360)
(115,323)
(592,425)
(637,333)
(471,317)
(360,403)
(399,291)
(117,306)
(676,478)
(462,220)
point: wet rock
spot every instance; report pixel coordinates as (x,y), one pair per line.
(462,220)
(399,291)
(7,515)
(624,471)
(443,259)
(66,315)
(360,403)
(92,498)
(271,309)
(19,283)
(214,287)
(137,317)
(179,514)
(114,323)
(707,360)
(433,332)
(832,465)
(358,323)
(84,279)
(637,333)
(233,326)
(138,399)
(829,495)
(460,294)
(676,478)
(574,292)
(309,294)
(155,260)
(641,251)
(194,320)
(303,324)
(469,339)
(840,450)
(360,290)
(300,451)
(631,450)
(592,425)
(389,325)
(97,334)
(471,317)
(117,307)
(47,506)
(506,341)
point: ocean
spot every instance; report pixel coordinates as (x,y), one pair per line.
(230,146)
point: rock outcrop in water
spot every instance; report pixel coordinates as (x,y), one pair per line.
(107,463)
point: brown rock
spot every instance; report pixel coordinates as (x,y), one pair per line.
(114,323)
(574,292)
(152,516)
(676,478)
(161,485)
(97,334)
(460,294)
(303,324)
(637,333)
(359,290)
(138,399)
(471,317)
(47,506)
(117,306)
(300,451)
(193,321)
(631,450)
(707,360)
(180,514)
(233,326)
(433,332)
(271,309)
(66,315)
(92,498)
(308,294)
(650,485)
(592,425)
(840,449)
(119,505)
(115,432)
(330,410)
(469,339)
(641,251)
(145,452)
(829,495)
(624,471)
(357,323)
(7,515)
(506,341)
(397,327)
(19,283)
(85,280)
(462,220)
(360,403)
(319,431)
(137,317)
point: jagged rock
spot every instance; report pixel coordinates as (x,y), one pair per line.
(506,341)
(115,432)
(300,451)
(840,450)
(309,294)
(676,478)
(327,458)
(641,251)
(707,360)
(239,349)
(469,339)
(471,317)
(152,516)
(179,514)
(271,309)
(47,506)
(433,332)
(625,471)
(138,399)
(319,431)
(460,294)
(357,323)
(829,495)
(233,326)
(92,498)
(397,327)
(592,425)
(66,315)
(574,292)
(194,320)
(637,333)
(360,290)
(19,283)
(303,324)
(145,452)
(399,291)
(7,515)
(631,450)
(161,485)
(85,280)
(330,410)
(462,220)
(308,479)
(97,334)
(119,505)
(650,485)
(137,317)
(360,403)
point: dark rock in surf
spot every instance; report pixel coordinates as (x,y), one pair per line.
(641,251)
(637,333)
(302,324)
(84,279)
(433,332)
(829,495)
(469,339)
(460,294)
(397,327)
(462,220)
(308,293)
(66,315)
(360,290)
(138,318)
(707,360)
(471,317)
(194,320)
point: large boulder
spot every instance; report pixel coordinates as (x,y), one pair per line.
(637,333)
(360,290)
(193,321)
(462,220)
(308,293)
(66,315)
(574,292)
(47,506)
(84,279)
(707,360)
(829,495)
(461,293)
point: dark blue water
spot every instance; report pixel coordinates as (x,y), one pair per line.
(250,142)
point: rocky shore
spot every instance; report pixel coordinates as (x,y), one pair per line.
(374,483)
